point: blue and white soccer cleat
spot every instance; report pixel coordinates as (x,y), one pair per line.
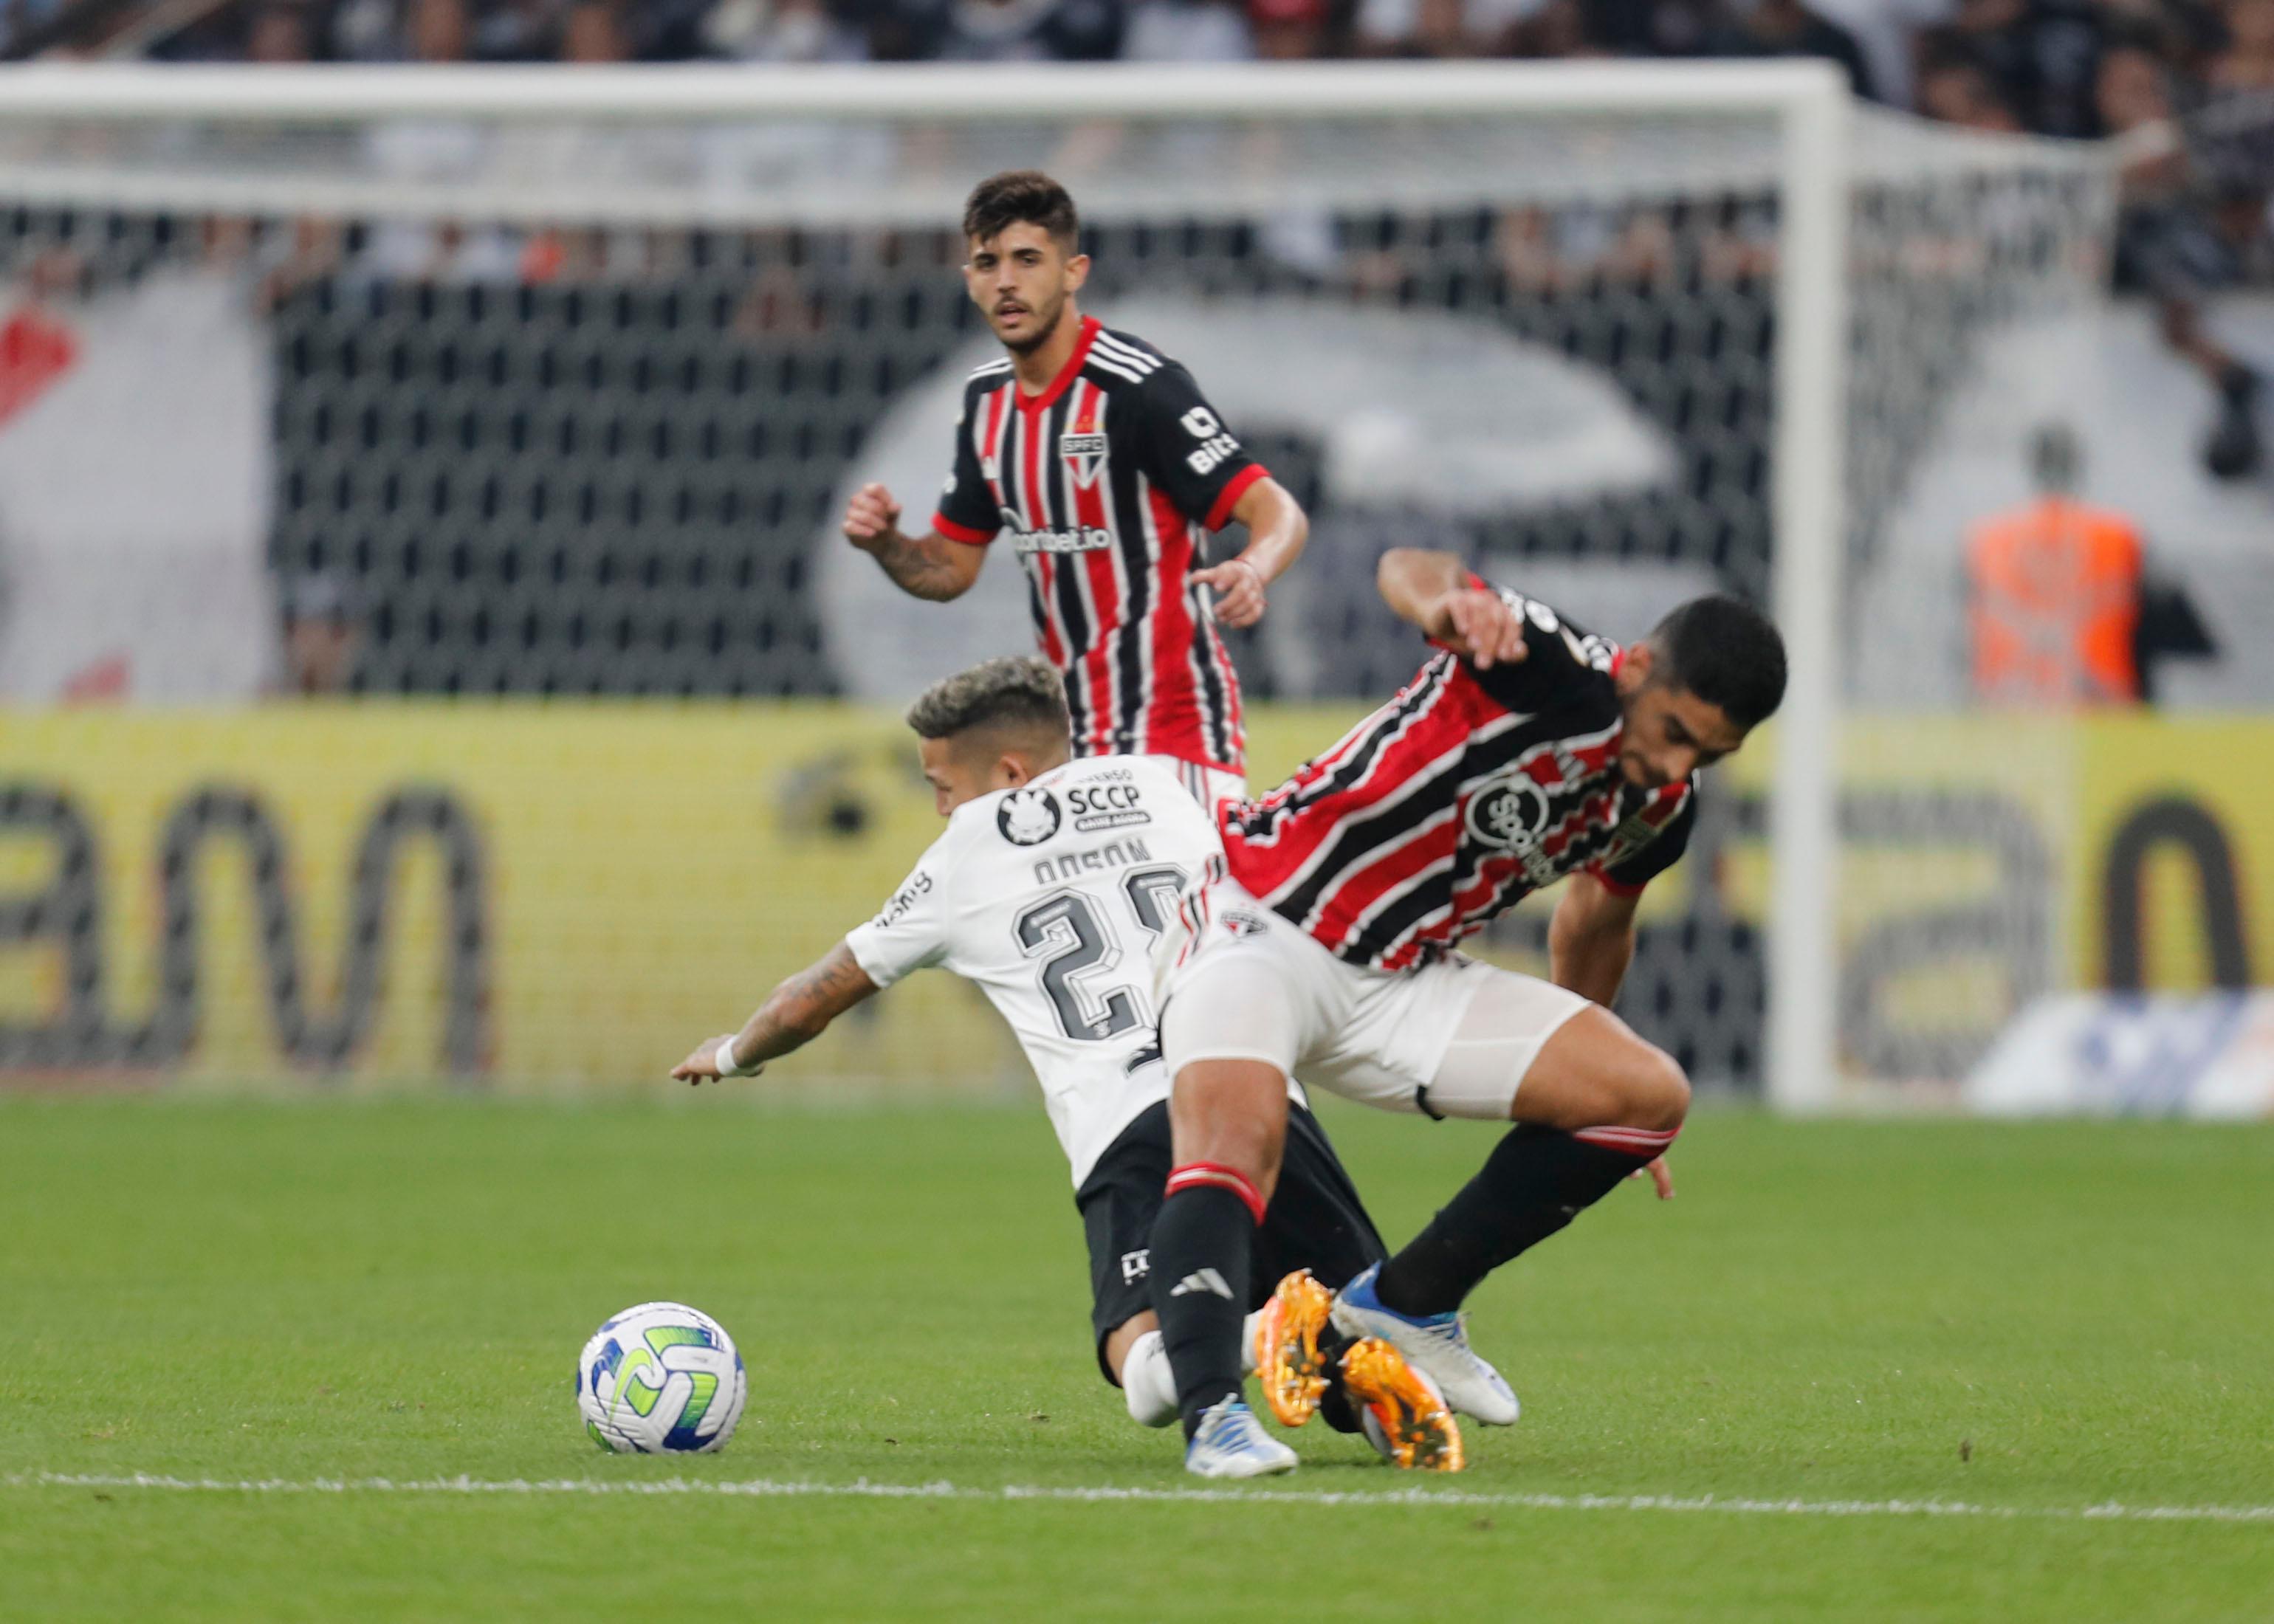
(1437,1345)
(1230,1442)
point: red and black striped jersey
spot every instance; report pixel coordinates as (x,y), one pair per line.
(1458,800)
(1107,482)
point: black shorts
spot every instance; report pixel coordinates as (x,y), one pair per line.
(1315,1221)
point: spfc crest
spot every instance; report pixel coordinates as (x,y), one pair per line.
(1508,812)
(1084,453)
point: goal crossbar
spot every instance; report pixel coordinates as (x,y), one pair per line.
(931,93)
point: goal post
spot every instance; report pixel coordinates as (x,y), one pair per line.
(1809,451)
(1681,221)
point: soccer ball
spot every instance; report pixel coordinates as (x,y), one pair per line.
(660,1379)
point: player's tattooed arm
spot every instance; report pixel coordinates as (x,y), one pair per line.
(930,566)
(793,1014)
(1435,592)
(1591,938)
(1277,528)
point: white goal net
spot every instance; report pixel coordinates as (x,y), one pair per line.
(484,404)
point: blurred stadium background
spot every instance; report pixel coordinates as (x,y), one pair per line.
(428,656)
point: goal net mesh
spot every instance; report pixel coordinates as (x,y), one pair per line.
(535,420)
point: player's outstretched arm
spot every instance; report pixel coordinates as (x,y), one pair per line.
(1277,528)
(795,1014)
(930,565)
(1434,591)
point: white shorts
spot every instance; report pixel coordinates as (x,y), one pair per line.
(1452,1038)
(1213,788)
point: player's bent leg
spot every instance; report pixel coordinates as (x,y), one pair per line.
(1592,1102)
(1230,1030)
(1594,1073)
(1230,1119)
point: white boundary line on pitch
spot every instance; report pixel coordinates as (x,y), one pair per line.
(762,1488)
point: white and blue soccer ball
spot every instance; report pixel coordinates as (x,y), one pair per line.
(661,1378)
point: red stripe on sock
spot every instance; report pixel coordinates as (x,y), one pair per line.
(1644,1142)
(1194,1174)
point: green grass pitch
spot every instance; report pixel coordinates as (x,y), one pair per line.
(2013,1323)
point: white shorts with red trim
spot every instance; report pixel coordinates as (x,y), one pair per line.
(1452,1038)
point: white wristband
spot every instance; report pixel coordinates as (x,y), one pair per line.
(723,1058)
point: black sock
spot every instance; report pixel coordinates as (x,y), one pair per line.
(1203,1247)
(1535,1182)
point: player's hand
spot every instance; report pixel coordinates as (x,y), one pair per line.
(1483,627)
(872,518)
(1238,588)
(701,1067)
(1660,1175)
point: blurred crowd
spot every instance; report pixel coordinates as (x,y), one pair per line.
(2187,86)
(2075,68)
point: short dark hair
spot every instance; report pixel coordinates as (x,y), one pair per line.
(1021,197)
(1725,651)
(1016,691)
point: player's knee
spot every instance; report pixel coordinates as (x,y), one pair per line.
(1652,1089)
(1250,1148)
(1232,1114)
(1640,1088)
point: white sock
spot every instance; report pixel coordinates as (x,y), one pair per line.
(1247,1343)
(1147,1384)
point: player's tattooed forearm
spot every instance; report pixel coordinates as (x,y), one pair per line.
(801,1007)
(921,568)
(829,985)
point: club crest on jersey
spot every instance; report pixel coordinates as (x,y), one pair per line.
(1029,817)
(1084,455)
(1508,812)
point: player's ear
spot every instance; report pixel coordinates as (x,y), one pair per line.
(1011,772)
(1634,670)
(1077,272)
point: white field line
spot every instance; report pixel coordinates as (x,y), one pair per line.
(762,1488)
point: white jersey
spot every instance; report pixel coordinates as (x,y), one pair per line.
(1050,897)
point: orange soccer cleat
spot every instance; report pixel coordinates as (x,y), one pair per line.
(1288,1363)
(1403,1413)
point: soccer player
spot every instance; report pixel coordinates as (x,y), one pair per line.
(1324,943)
(1100,457)
(1054,876)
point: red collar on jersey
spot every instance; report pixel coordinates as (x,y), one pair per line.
(1067,373)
